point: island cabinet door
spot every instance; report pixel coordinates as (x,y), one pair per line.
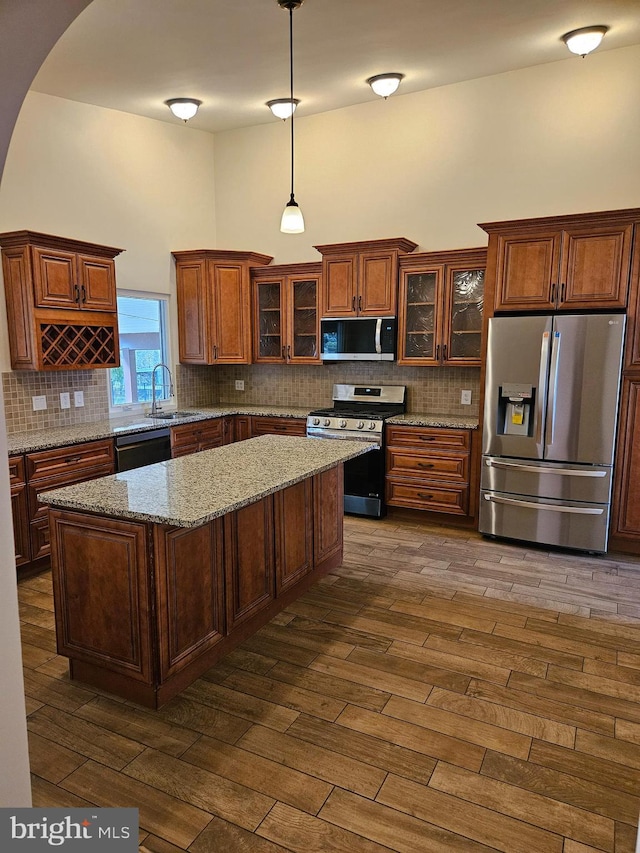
(189,593)
(249,561)
(294,534)
(101,592)
(328,514)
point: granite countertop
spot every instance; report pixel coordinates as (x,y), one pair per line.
(192,490)
(433,420)
(31,441)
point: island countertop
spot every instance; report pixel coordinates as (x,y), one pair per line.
(193,490)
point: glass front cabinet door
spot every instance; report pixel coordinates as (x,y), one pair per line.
(440,308)
(270,344)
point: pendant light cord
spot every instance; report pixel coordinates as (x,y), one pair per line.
(291,87)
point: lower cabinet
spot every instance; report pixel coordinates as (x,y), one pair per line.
(428,468)
(625,524)
(196,436)
(278,426)
(19,510)
(241,427)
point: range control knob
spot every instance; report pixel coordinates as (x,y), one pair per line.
(316,421)
(327,421)
(360,424)
(372,424)
(343,424)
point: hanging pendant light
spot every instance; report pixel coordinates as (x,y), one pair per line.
(292,219)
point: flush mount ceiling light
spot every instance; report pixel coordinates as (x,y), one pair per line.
(292,219)
(385,84)
(283,107)
(184,108)
(583,41)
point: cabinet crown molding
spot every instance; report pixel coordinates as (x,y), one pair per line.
(476,255)
(400,244)
(13,239)
(599,217)
(222,255)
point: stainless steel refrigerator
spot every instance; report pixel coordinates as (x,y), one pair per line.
(551,403)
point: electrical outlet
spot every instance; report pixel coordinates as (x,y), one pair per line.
(78,399)
(65,400)
(239,384)
(465,398)
(39,403)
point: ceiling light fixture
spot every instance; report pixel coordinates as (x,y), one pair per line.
(583,41)
(292,219)
(283,107)
(385,84)
(184,108)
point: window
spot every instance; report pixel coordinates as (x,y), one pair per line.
(142,324)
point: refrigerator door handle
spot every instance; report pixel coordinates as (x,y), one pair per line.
(542,385)
(574,510)
(553,386)
(535,469)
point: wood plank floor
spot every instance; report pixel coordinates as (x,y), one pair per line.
(437,692)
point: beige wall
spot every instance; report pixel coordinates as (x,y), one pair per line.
(554,139)
(109,177)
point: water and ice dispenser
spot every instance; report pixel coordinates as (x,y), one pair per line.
(515,409)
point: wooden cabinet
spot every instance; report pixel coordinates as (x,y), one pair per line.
(196,436)
(293,510)
(241,427)
(277,426)
(61,302)
(361,279)
(52,469)
(428,468)
(565,263)
(441,301)
(19,510)
(626,505)
(286,314)
(214,308)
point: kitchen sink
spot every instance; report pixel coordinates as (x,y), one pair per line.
(170,416)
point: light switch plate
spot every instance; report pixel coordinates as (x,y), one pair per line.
(239,384)
(465,398)
(39,403)
(65,400)
(78,399)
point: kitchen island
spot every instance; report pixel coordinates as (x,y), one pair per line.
(160,571)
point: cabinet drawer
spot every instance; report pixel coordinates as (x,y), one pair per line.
(16,470)
(202,435)
(415,463)
(38,487)
(447,439)
(73,459)
(275,426)
(430,496)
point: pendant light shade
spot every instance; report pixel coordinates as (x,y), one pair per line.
(292,221)
(385,84)
(283,108)
(184,108)
(583,41)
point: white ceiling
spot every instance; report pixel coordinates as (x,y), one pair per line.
(132,55)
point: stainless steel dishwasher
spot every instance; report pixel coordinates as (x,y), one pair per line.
(142,448)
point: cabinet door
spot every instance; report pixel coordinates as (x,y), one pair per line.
(193,320)
(377,283)
(211,434)
(595,268)
(420,316)
(626,510)
(303,321)
(241,427)
(527,271)
(97,280)
(55,278)
(20,515)
(228,429)
(328,515)
(339,286)
(249,563)
(293,534)
(231,313)
(462,320)
(269,321)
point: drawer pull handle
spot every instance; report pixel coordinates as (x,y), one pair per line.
(426,496)
(427,438)
(70,459)
(425,465)
(279,427)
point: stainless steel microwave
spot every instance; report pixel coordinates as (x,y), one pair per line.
(358,338)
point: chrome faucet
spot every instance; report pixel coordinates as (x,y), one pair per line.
(155,405)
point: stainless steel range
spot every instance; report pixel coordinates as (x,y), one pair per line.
(359,412)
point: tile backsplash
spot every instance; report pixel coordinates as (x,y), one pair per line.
(435,390)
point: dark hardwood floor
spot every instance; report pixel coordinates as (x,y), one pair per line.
(438,692)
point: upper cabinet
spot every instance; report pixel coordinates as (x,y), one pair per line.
(361,279)
(440,308)
(562,263)
(61,302)
(286,317)
(214,305)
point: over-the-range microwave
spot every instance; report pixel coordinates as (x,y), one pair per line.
(358,338)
